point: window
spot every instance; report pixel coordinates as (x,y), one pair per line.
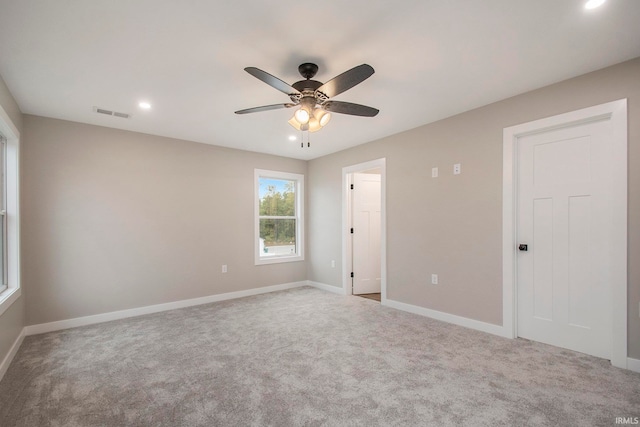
(9,217)
(279,217)
(3,215)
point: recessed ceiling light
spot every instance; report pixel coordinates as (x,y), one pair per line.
(144,105)
(592,4)
(292,138)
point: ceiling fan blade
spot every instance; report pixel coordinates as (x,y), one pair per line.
(350,108)
(265,108)
(271,80)
(346,80)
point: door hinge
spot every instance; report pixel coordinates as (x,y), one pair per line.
(352,186)
(352,274)
(351,230)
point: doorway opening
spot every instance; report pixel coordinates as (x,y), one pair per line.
(364,230)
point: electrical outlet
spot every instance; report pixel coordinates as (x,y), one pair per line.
(333,263)
(434,172)
(224,268)
(434,279)
(456,169)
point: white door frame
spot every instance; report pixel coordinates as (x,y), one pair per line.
(347,253)
(616,113)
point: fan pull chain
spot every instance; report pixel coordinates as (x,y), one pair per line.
(302,139)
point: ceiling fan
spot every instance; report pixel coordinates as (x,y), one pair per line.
(314,97)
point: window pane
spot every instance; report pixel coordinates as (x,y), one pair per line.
(3,168)
(277,237)
(3,222)
(277,197)
(3,217)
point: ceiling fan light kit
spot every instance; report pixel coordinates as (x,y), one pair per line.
(313,96)
(302,116)
(322,116)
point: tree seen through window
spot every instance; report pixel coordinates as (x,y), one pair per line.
(277,210)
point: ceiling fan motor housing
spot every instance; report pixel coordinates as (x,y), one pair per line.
(307,89)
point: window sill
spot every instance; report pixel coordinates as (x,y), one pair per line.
(279,260)
(7,298)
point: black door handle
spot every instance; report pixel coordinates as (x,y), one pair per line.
(523,248)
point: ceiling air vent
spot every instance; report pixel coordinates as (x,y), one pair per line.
(111,113)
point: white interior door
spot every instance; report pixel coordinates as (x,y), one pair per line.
(366,207)
(564,217)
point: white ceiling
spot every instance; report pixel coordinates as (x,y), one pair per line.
(433,59)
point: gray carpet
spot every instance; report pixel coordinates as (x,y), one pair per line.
(304,357)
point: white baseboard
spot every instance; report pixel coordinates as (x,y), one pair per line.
(123,314)
(12,353)
(633,364)
(450,318)
(325,287)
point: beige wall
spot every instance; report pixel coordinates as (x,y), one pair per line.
(452,225)
(114,220)
(12,320)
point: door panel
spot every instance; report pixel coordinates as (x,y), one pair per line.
(543,259)
(579,281)
(564,213)
(366,236)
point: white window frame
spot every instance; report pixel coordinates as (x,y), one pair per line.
(299,217)
(3,214)
(11,181)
